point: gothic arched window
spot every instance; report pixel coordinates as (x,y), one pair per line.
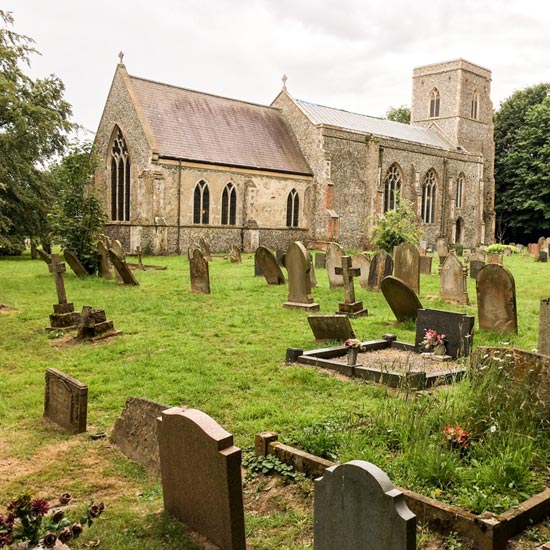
(459,190)
(434,103)
(392,187)
(474,111)
(229,205)
(120,180)
(201,203)
(429,188)
(292,209)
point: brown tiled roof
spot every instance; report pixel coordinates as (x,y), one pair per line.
(200,127)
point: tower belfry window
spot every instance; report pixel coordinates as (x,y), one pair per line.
(434,103)
(474,112)
(120,180)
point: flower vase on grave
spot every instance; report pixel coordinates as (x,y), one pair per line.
(440,349)
(352,355)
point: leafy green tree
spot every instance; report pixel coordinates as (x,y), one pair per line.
(522,164)
(34,121)
(77,216)
(399,114)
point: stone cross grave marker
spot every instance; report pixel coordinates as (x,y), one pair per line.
(201,476)
(139,255)
(544,327)
(75,264)
(235,254)
(334,259)
(402,299)
(269,266)
(356,507)
(453,277)
(204,245)
(65,401)
(330,327)
(380,267)
(198,269)
(362,262)
(94,325)
(122,268)
(406,265)
(299,282)
(349,306)
(496,299)
(44,256)
(64,315)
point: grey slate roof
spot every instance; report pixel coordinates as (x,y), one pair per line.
(196,126)
(318,114)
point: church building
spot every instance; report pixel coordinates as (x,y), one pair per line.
(178,165)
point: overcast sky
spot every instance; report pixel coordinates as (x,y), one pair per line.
(356,55)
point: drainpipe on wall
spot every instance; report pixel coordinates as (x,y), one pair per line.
(443,224)
(179,208)
(243,221)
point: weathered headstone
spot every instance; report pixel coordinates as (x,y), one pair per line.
(312,276)
(350,306)
(198,269)
(542,244)
(94,325)
(65,401)
(453,280)
(135,432)
(64,316)
(544,327)
(334,260)
(477,255)
(320,260)
(280,255)
(122,268)
(201,476)
(105,265)
(75,264)
(402,299)
(543,256)
(507,251)
(235,254)
(299,282)
(426,265)
(258,272)
(44,256)
(380,267)
(533,249)
(406,265)
(442,249)
(362,262)
(204,245)
(330,327)
(496,299)
(475,266)
(356,507)
(494,259)
(269,267)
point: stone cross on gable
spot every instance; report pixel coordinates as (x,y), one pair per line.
(348,273)
(57,268)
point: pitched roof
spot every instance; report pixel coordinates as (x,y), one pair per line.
(355,122)
(196,126)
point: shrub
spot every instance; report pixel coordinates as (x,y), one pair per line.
(498,248)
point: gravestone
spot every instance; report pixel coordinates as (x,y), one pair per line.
(75,264)
(458,329)
(496,299)
(122,268)
(533,249)
(406,265)
(320,260)
(201,476)
(44,256)
(257,267)
(542,244)
(204,245)
(547,244)
(356,507)
(475,266)
(135,432)
(350,306)
(65,401)
(334,260)
(477,255)
(280,255)
(453,280)
(235,254)
(269,267)
(198,269)
(543,256)
(64,316)
(139,254)
(507,251)
(544,327)
(362,262)
(442,249)
(426,265)
(94,325)
(299,282)
(494,259)
(402,299)
(331,327)
(312,277)
(105,265)
(380,267)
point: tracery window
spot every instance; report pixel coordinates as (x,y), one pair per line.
(434,103)
(459,190)
(392,187)
(474,112)
(429,188)
(292,209)
(201,203)
(229,205)
(120,180)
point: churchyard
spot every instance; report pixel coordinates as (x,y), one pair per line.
(224,354)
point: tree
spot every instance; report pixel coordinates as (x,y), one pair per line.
(34,122)
(399,114)
(522,164)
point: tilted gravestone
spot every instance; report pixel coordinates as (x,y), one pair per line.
(235,254)
(64,316)
(402,299)
(201,476)
(496,299)
(299,282)
(406,265)
(320,260)
(65,401)
(362,262)
(269,266)
(380,267)
(198,270)
(453,285)
(330,327)
(356,507)
(426,265)
(350,306)
(75,264)
(122,269)
(334,259)
(544,327)
(204,245)
(475,266)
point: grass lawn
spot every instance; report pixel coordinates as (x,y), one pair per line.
(224,354)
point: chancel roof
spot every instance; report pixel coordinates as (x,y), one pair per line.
(196,126)
(318,114)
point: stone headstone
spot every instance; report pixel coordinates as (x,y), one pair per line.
(494,259)
(330,327)
(122,268)
(235,254)
(477,255)
(543,256)
(204,245)
(458,329)
(406,265)
(533,249)
(475,266)
(507,251)
(442,249)
(356,507)
(542,243)
(66,401)
(118,249)
(269,266)
(198,269)
(350,306)
(280,255)
(105,265)
(201,476)
(44,256)
(544,327)
(75,264)
(402,299)
(94,325)
(312,276)
(362,262)
(496,299)
(320,260)
(135,432)
(257,268)
(453,280)
(299,282)
(334,260)
(380,267)
(426,265)
(64,315)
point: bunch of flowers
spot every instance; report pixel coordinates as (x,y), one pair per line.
(353,343)
(27,520)
(456,437)
(431,339)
